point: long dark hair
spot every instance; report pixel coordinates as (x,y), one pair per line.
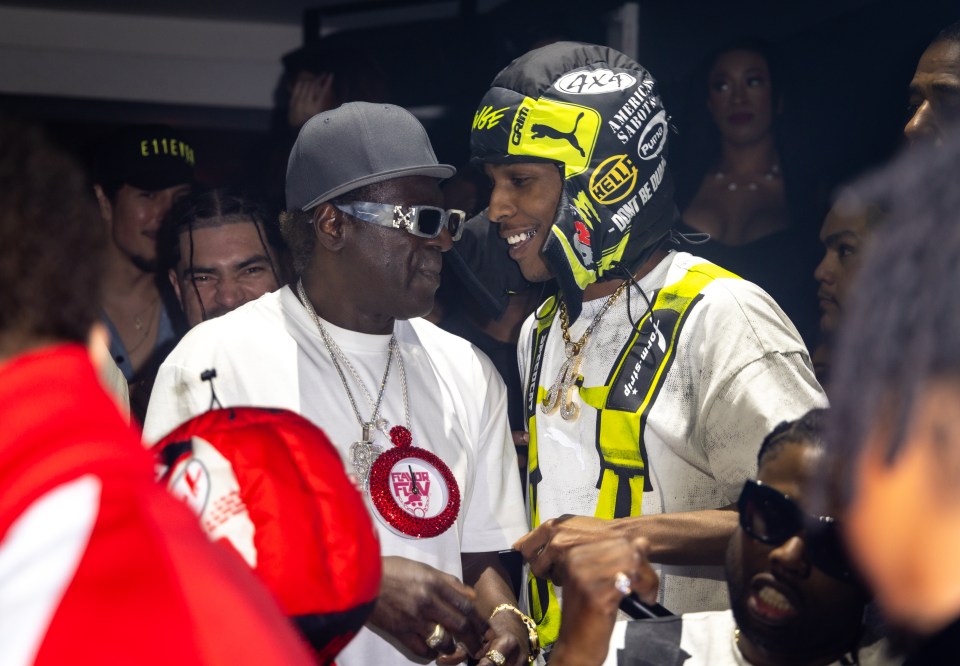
(698,142)
(208,208)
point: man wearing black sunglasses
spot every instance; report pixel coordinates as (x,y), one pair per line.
(419,416)
(795,599)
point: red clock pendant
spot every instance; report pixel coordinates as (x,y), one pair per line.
(413,490)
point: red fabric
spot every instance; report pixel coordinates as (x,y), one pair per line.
(150,588)
(316,547)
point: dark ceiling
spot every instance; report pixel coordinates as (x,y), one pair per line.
(851,60)
(274,11)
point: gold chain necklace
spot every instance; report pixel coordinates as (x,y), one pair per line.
(144,328)
(138,322)
(568,377)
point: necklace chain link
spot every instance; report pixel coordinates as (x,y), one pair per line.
(363,453)
(569,374)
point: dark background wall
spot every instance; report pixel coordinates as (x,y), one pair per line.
(851,62)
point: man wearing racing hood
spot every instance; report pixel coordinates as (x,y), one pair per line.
(652,379)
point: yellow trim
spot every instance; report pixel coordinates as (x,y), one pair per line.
(620,438)
(583,276)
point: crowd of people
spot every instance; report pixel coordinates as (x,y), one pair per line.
(232,437)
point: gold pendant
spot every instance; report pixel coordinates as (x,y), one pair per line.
(568,379)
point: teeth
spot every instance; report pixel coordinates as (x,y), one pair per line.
(519,238)
(773,598)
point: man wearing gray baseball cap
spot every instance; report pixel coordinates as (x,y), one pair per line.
(418,415)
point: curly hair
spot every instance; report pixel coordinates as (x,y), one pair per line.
(52,240)
(901,328)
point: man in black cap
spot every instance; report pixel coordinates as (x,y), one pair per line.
(651,381)
(98,564)
(345,347)
(138,173)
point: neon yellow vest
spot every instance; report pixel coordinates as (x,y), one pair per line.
(622,405)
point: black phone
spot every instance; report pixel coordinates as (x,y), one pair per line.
(512,562)
(632,606)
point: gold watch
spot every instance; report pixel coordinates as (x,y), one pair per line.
(532,636)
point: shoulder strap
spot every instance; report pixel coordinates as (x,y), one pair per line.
(633,386)
(623,405)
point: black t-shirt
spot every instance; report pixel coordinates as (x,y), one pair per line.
(781,263)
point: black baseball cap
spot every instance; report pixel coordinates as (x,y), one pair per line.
(148,157)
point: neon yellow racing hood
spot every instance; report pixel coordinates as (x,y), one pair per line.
(597,114)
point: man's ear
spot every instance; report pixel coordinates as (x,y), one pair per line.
(103,201)
(328,225)
(172,274)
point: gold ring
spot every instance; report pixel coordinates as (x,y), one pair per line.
(438,636)
(622,582)
(496,657)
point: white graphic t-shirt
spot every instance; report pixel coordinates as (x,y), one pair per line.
(739,369)
(268,353)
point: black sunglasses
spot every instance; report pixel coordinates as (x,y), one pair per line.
(771,517)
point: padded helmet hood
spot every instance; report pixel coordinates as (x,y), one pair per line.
(596,114)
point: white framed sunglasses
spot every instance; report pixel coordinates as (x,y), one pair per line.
(423,221)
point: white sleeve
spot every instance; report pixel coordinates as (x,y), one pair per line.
(755,373)
(495,518)
(776,387)
(39,556)
(175,399)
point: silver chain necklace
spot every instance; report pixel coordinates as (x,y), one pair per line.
(363,452)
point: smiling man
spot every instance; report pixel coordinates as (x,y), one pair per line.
(96,559)
(418,415)
(220,252)
(653,378)
(139,173)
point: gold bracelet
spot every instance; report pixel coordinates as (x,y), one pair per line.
(532,634)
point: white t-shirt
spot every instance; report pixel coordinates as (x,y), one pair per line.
(268,353)
(705,639)
(740,369)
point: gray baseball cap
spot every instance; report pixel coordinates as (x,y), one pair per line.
(354,145)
